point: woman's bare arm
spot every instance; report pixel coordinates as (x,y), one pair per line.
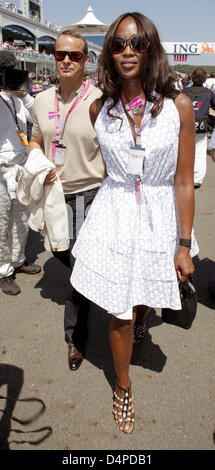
(184,184)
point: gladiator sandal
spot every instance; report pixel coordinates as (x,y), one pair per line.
(123,410)
(139,331)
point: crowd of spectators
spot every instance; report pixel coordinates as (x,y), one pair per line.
(24,50)
(183,80)
(41,83)
(27,51)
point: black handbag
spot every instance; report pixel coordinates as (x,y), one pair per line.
(184,317)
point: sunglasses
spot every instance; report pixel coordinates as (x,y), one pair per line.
(75,56)
(137,43)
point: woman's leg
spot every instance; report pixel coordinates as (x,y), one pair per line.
(121,341)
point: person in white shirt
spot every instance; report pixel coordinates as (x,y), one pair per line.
(210,82)
(14,112)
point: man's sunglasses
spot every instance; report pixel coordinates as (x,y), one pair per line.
(137,43)
(75,56)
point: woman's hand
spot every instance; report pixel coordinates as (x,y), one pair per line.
(183,263)
(51,177)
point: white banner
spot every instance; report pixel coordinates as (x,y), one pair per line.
(194,48)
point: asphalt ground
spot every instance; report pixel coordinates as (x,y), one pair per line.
(45,406)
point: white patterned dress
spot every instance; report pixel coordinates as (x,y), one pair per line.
(125,249)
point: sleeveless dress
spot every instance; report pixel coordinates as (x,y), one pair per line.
(125,249)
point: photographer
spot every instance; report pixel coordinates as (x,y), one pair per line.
(15,111)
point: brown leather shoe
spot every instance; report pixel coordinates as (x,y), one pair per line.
(75,358)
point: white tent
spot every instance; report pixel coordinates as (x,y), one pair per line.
(90,19)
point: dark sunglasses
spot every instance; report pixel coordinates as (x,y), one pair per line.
(137,43)
(75,56)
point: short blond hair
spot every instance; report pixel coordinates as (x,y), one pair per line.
(73,34)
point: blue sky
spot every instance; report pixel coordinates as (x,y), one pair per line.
(176,20)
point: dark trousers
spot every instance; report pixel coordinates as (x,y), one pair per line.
(76,306)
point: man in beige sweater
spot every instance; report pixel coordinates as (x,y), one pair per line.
(63,130)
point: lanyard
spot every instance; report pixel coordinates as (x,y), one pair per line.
(60,125)
(128,107)
(14,107)
(137,102)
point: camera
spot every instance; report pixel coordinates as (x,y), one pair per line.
(12,78)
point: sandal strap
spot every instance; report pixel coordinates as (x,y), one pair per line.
(124,389)
(125,400)
(123,413)
(124,419)
(119,421)
(140,327)
(124,408)
(139,330)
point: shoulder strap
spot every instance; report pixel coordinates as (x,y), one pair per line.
(14,106)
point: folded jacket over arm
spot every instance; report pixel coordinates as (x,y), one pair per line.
(48,206)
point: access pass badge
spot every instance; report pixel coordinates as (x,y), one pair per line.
(58,153)
(136,161)
(22,138)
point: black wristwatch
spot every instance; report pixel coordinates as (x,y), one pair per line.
(185,242)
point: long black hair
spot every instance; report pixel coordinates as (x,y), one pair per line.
(158,76)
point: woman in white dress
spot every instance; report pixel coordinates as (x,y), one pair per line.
(135,242)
